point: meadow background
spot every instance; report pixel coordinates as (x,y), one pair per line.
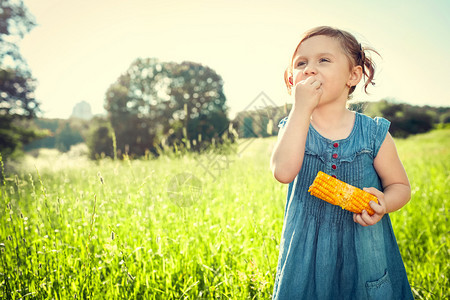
(186,226)
(178,201)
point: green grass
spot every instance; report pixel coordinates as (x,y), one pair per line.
(73,228)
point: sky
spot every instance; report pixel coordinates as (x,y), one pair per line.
(79,47)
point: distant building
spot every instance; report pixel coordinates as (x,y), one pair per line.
(82,110)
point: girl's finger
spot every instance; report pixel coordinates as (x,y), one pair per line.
(378,208)
(373,191)
(309,80)
(366,218)
(360,221)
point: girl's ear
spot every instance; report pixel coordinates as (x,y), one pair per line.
(355,76)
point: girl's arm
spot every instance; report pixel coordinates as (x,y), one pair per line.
(397,190)
(288,153)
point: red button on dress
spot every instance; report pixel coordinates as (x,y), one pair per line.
(335,145)
(333,167)
(335,155)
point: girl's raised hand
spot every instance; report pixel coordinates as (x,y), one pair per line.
(364,219)
(308,93)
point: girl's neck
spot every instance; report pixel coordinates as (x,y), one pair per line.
(332,122)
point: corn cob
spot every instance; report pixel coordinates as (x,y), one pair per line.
(340,193)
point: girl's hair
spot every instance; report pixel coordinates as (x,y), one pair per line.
(354,51)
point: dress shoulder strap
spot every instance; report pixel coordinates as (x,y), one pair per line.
(380,128)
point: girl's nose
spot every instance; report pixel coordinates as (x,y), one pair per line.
(309,70)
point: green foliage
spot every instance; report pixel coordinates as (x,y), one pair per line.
(117,229)
(159,105)
(14,134)
(63,134)
(67,137)
(445,118)
(100,139)
(248,128)
(16,83)
(17,86)
(199,103)
(262,121)
(405,119)
(15,19)
(50,124)
(205,128)
(17,93)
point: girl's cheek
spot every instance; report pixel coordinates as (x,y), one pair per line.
(298,77)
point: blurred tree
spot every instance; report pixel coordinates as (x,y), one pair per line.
(48,141)
(67,137)
(405,119)
(62,134)
(100,138)
(247,128)
(17,86)
(198,102)
(262,122)
(135,105)
(14,134)
(157,104)
(445,118)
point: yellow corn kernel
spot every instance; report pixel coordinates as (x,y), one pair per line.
(339,193)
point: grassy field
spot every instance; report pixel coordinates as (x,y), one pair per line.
(191,227)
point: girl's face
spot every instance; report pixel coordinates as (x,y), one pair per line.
(323,57)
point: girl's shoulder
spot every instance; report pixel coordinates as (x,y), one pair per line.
(377,126)
(376,121)
(373,129)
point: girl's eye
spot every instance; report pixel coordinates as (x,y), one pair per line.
(324,60)
(300,63)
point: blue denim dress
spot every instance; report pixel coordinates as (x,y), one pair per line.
(324,254)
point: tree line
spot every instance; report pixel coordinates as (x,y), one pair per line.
(405,120)
(152,107)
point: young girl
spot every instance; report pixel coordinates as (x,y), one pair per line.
(327,252)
